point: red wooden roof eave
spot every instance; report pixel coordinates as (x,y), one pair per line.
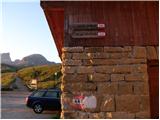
(52,4)
(53,35)
(46,9)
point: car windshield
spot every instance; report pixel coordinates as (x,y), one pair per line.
(52,94)
(38,94)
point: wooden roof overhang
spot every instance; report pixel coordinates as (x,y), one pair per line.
(54,12)
(128,23)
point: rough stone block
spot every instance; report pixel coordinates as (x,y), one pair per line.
(120,55)
(120,115)
(128,103)
(93,62)
(122,61)
(117,77)
(72,49)
(143,115)
(151,53)
(74,78)
(66,100)
(127,49)
(80,56)
(122,69)
(68,115)
(85,69)
(98,77)
(108,103)
(72,62)
(101,62)
(65,87)
(97,115)
(103,69)
(107,88)
(66,56)
(113,49)
(136,77)
(89,87)
(93,49)
(125,88)
(83,87)
(98,55)
(68,69)
(133,61)
(82,115)
(116,55)
(142,68)
(139,52)
(141,88)
(145,103)
(99,101)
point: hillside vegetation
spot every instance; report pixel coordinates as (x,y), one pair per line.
(7,79)
(8,68)
(45,75)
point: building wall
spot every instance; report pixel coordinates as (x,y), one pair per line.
(127,22)
(114,79)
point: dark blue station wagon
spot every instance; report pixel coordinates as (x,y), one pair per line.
(47,99)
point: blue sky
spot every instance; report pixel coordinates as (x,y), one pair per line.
(26,31)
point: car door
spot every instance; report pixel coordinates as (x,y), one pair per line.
(52,100)
(38,97)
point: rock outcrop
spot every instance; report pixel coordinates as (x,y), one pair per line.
(31,60)
(6,59)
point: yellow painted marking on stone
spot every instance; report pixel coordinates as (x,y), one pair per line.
(107,101)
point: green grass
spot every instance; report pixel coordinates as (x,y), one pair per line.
(49,84)
(45,75)
(7,79)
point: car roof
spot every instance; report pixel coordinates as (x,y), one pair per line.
(53,89)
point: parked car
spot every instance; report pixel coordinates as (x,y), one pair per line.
(46,99)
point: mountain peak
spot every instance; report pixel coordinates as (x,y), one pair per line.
(30,60)
(5,58)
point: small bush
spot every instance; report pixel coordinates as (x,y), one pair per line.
(7,79)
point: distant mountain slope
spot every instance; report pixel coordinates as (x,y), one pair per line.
(8,68)
(31,60)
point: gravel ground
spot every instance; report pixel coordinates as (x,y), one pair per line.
(13,105)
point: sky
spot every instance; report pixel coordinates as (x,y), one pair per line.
(25,30)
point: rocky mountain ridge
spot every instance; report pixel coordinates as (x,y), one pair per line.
(31,60)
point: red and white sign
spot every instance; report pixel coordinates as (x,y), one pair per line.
(101,25)
(81,102)
(101,34)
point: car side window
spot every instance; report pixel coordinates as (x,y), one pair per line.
(51,94)
(39,94)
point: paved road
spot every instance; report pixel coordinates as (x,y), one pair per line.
(13,105)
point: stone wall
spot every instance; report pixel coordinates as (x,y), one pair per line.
(116,76)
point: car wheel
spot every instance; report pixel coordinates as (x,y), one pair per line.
(38,108)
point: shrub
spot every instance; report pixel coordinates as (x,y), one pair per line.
(7,79)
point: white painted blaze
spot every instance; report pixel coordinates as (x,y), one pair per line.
(89,102)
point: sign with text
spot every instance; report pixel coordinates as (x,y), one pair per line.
(88,30)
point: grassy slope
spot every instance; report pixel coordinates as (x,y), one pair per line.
(46,77)
(7,79)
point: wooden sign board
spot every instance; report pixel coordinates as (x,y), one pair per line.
(88,30)
(87,26)
(88,34)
